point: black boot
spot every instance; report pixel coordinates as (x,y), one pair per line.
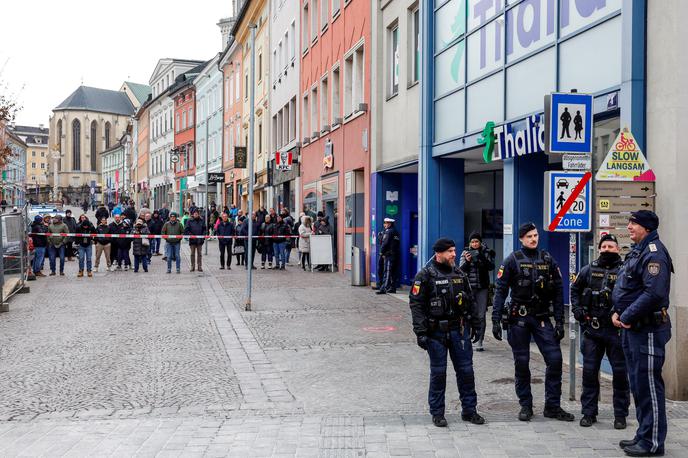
(588,420)
(558,413)
(637,450)
(474,418)
(620,423)
(627,443)
(525,414)
(439,421)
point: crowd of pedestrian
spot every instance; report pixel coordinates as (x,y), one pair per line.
(275,236)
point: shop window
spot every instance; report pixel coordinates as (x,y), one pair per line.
(393,59)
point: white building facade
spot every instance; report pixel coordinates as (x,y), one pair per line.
(285,189)
(161,117)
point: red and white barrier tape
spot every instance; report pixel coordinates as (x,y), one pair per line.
(152,236)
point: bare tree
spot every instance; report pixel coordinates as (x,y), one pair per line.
(8,111)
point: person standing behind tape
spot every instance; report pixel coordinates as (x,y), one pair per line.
(225,229)
(641,299)
(56,243)
(173,245)
(40,244)
(103,245)
(196,226)
(85,244)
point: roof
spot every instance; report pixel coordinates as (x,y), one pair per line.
(239,17)
(29,130)
(141,91)
(187,78)
(100,100)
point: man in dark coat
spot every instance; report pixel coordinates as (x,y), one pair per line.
(196,226)
(225,229)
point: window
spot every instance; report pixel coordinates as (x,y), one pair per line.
(43,166)
(94,139)
(260,67)
(260,138)
(304,24)
(246,86)
(237,86)
(305,116)
(275,139)
(314,19)
(324,13)
(336,111)
(275,66)
(191,117)
(280,137)
(42,153)
(280,57)
(324,109)
(414,71)
(348,87)
(292,119)
(335,7)
(33,165)
(393,61)
(314,109)
(292,38)
(184,118)
(227,97)
(359,64)
(59,142)
(178,126)
(107,135)
(33,154)
(76,145)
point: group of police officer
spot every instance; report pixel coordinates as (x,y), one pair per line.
(622,308)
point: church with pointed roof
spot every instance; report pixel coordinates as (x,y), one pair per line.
(89,121)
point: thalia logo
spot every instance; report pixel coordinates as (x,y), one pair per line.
(512,139)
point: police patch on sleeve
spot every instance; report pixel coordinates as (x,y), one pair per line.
(652,247)
(653,268)
(416,288)
(500,272)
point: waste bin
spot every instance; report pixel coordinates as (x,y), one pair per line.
(358,266)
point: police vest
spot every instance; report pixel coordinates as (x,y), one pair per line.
(451,297)
(597,297)
(532,285)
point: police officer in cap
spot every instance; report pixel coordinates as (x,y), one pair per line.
(591,302)
(445,319)
(641,299)
(534,279)
(389,251)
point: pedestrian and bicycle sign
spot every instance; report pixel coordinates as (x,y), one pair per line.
(567,201)
(625,161)
(568,120)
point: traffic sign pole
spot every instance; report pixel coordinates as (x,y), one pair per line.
(573,270)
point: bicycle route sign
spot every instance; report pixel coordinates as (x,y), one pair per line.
(625,161)
(568,198)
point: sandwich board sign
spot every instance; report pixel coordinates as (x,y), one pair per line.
(625,161)
(568,198)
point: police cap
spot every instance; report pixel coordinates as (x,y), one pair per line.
(646,218)
(442,245)
(525,228)
(607,238)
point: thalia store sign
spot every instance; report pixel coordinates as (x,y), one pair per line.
(513,139)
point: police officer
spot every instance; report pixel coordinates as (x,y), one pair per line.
(591,301)
(535,282)
(442,309)
(389,251)
(641,299)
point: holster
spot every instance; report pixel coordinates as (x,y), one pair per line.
(655,318)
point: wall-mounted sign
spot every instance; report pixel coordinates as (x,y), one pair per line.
(216,177)
(513,139)
(283,161)
(577,161)
(328,159)
(240,157)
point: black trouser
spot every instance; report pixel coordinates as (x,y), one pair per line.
(225,248)
(306,257)
(69,249)
(594,344)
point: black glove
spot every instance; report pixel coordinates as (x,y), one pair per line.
(476,326)
(559,332)
(579,315)
(422,342)
(497,330)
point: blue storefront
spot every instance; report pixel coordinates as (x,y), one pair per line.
(495,60)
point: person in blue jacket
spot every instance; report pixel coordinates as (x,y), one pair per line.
(640,300)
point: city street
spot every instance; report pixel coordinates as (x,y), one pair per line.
(171,365)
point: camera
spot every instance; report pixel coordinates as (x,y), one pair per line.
(474,254)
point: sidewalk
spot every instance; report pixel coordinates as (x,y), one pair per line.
(171,365)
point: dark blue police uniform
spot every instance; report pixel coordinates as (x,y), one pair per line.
(444,320)
(535,282)
(389,251)
(591,302)
(641,298)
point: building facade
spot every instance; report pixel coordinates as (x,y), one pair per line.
(209,114)
(184,95)
(255,12)
(85,124)
(395,131)
(13,172)
(161,126)
(141,144)
(37,160)
(285,185)
(335,40)
(231,62)
(112,166)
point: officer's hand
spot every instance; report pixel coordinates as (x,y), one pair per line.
(559,332)
(497,330)
(422,342)
(579,315)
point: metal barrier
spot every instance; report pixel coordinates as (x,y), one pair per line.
(14,255)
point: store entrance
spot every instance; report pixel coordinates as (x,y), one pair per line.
(484,210)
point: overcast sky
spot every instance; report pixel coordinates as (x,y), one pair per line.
(49,47)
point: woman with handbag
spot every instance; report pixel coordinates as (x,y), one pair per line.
(140,246)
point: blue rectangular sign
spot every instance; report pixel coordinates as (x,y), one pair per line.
(559,185)
(570,123)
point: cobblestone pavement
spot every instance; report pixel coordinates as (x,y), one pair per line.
(171,365)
